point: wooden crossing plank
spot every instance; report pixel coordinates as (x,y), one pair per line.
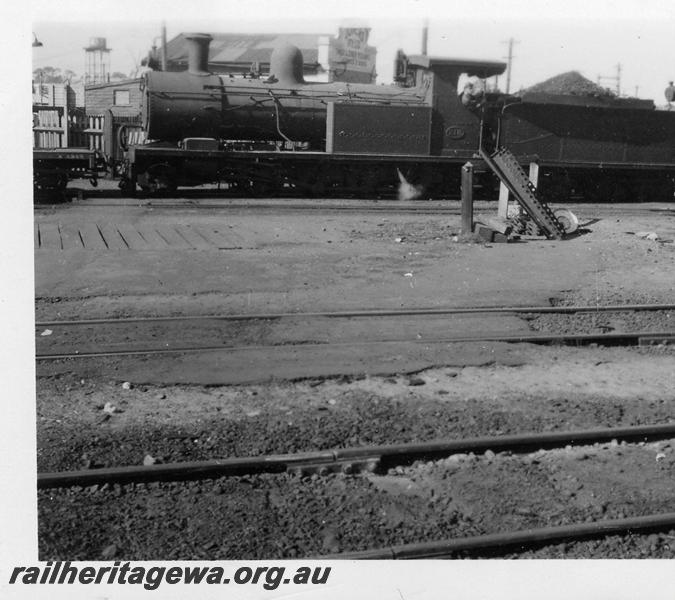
(193,237)
(50,238)
(132,237)
(222,238)
(154,240)
(112,237)
(91,237)
(212,235)
(173,239)
(70,237)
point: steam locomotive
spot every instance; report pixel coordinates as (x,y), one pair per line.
(282,135)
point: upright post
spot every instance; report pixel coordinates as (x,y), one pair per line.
(109,146)
(503,211)
(534,173)
(467,198)
(164,57)
(503,205)
(66,124)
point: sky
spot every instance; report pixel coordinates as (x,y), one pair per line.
(550,37)
(591,36)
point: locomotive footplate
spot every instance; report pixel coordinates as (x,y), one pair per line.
(289,173)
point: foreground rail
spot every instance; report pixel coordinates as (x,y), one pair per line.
(350,460)
(501,543)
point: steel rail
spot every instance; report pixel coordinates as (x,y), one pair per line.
(514,540)
(385,455)
(190,204)
(192,198)
(616,339)
(300,207)
(374,313)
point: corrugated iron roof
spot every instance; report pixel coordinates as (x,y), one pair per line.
(247,48)
(112,84)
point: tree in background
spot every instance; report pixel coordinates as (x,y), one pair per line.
(45,75)
(55,75)
(48,75)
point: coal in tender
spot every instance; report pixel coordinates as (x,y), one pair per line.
(571,83)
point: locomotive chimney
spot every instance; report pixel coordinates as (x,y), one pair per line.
(198,52)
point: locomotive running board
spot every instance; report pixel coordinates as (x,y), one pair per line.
(505,165)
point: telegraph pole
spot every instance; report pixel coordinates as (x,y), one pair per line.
(616,78)
(425,37)
(511,42)
(164,57)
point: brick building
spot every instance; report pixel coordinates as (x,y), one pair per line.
(108,106)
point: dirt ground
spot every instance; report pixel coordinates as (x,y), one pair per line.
(226,403)
(295,261)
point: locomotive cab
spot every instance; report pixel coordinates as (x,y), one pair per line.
(456,124)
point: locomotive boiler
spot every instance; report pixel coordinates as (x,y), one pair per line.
(280,135)
(280,107)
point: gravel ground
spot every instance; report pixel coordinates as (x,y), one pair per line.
(602,322)
(285,516)
(193,422)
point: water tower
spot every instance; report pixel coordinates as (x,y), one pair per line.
(97,61)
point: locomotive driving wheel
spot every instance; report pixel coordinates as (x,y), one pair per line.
(312,181)
(160,177)
(50,179)
(368,181)
(262,187)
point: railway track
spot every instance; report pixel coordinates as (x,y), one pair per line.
(498,544)
(373,462)
(352,460)
(202,333)
(449,206)
(365,206)
(562,309)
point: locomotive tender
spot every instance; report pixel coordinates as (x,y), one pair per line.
(282,135)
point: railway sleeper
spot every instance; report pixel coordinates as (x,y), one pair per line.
(348,467)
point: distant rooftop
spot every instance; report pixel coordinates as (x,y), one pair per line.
(227,48)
